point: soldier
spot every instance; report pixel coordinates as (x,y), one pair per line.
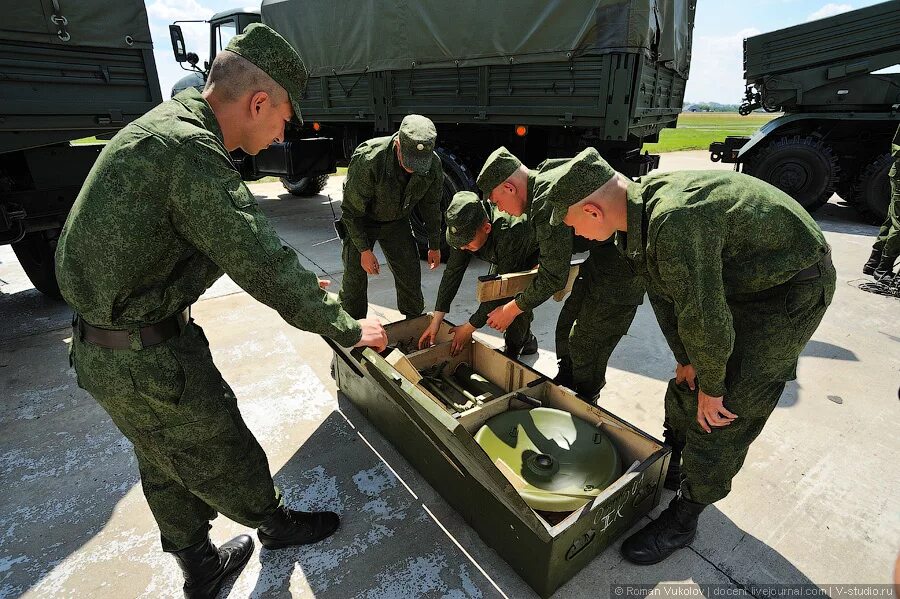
(386,179)
(886,249)
(739,276)
(508,244)
(161,216)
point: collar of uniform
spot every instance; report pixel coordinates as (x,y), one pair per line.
(632,243)
(194,102)
(529,192)
(488,251)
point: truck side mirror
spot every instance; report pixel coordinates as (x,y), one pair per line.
(178,43)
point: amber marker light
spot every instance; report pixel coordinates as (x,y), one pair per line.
(521,130)
(317,126)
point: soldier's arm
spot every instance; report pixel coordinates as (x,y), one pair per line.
(668,322)
(358,190)
(553,267)
(430,207)
(451,279)
(689,261)
(212,209)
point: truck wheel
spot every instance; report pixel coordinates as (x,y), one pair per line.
(457,177)
(803,167)
(873,189)
(36,255)
(305,186)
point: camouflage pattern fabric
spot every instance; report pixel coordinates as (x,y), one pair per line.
(161,216)
(378,190)
(511,246)
(718,251)
(402,255)
(888,241)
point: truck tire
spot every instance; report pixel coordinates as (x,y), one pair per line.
(457,177)
(305,186)
(36,255)
(873,189)
(803,167)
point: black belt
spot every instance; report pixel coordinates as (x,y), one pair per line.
(816,270)
(135,338)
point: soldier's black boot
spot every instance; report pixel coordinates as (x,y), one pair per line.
(205,567)
(530,347)
(564,375)
(872,263)
(675,528)
(287,527)
(884,272)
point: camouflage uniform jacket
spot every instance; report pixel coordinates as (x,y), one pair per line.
(705,239)
(378,189)
(555,242)
(162,214)
(508,248)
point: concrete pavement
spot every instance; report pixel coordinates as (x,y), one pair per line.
(815,503)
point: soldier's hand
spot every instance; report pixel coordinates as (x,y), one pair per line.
(373,334)
(427,338)
(434,259)
(686,374)
(462,336)
(711,412)
(369,262)
(500,318)
(323,283)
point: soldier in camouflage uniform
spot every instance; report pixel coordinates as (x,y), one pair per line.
(508,244)
(387,178)
(739,276)
(162,215)
(886,249)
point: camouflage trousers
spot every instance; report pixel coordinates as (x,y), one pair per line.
(888,241)
(196,456)
(596,315)
(399,246)
(771,330)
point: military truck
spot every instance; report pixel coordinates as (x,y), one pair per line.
(839,112)
(63,78)
(544,78)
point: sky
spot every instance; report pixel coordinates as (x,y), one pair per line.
(716,67)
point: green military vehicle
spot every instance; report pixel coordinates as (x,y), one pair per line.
(840,113)
(63,78)
(544,78)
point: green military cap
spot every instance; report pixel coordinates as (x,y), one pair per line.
(265,48)
(464,215)
(498,167)
(417,138)
(575,180)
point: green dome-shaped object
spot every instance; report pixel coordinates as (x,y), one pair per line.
(562,461)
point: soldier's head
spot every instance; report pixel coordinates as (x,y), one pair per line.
(414,143)
(468,225)
(588,195)
(254,87)
(504,181)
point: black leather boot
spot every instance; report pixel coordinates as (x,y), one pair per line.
(884,272)
(564,376)
(287,527)
(531,346)
(205,567)
(872,263)
(675,528)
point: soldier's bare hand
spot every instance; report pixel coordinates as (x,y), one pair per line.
(369,262)
(500,318)
(373,334)
(686,374)
(462,336)
(324,283)
(427,338)
(711,412)
(434,259)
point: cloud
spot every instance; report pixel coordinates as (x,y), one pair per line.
(176,10)
(829,10)
(717,68)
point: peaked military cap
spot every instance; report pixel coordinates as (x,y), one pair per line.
(265,48)
(575,180)
(465,215)
(417,139)
(498,167)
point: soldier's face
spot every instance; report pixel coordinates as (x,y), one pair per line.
(589,221)
(481,235)
(400,156)
(507,198)
(267,122)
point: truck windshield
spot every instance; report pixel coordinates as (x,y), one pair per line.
(224,33)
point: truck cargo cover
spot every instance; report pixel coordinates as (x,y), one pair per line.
(353,36)
(97,23)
